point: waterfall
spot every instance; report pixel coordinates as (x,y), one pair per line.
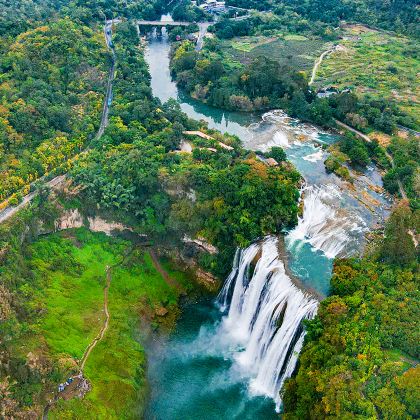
(264,317)
(325,224)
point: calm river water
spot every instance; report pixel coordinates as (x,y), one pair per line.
(193,373)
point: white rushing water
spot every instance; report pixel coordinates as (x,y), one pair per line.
(325,224)
(255,343)
(264,318)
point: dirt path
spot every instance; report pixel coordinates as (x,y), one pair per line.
(102,332)
(353,130)
(79,379)
(169,280)
(318,62)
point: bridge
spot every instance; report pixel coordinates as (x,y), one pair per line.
(162,23)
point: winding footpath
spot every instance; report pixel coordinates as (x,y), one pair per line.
(91,345)
(168,279)
(10,211)
(105,326)
(318,63)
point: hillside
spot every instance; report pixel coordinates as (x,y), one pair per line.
(360,357)
(51,103)
(309,238)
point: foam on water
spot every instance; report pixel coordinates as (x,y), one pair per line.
(324,224)
(279,139)
(314,157)
(218,363)
(265,317)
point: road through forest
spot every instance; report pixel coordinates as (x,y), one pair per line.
(10,211)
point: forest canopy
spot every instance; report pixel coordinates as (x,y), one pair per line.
(361,351)
(51,102)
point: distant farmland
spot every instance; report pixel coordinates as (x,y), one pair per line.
(296,51)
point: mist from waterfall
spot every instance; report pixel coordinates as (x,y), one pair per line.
(222,364)
(264,317)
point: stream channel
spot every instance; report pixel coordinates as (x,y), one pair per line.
(222,361)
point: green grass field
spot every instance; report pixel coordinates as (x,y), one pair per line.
(294,50)
(379,63)
(71,267)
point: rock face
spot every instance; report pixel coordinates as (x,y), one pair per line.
(161,311)
(207,280)
(201,243)
(72,219)
(97,224)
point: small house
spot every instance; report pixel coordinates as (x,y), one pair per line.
(271,162)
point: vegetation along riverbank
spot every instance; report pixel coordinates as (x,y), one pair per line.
(152,211)
(53,284)
(263,62)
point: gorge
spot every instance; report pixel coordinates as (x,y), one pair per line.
(189,230)
(226,358)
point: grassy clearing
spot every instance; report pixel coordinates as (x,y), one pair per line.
(379,63)
(248,43)
(295,37)
(294,50)
(71,269)
(74,297)
(396,355)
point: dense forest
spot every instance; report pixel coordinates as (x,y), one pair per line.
(136,173)
(360,355)
(361,351)
(213,77)
(400,15)
(139,171)
(18,16)
(51,103)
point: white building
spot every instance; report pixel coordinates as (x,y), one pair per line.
(214,6)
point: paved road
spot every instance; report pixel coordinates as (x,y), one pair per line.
(353,130)
(409,130)
(367,139)
(12,210)
(111,76)
(203,30)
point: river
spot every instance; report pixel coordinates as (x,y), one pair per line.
(222,361)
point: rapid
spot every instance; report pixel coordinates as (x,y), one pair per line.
(228,359)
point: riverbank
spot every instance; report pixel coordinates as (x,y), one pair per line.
(212,77)
(66,277)
(334,222)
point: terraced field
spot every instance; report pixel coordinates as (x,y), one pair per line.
(375,62)
(294,50)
